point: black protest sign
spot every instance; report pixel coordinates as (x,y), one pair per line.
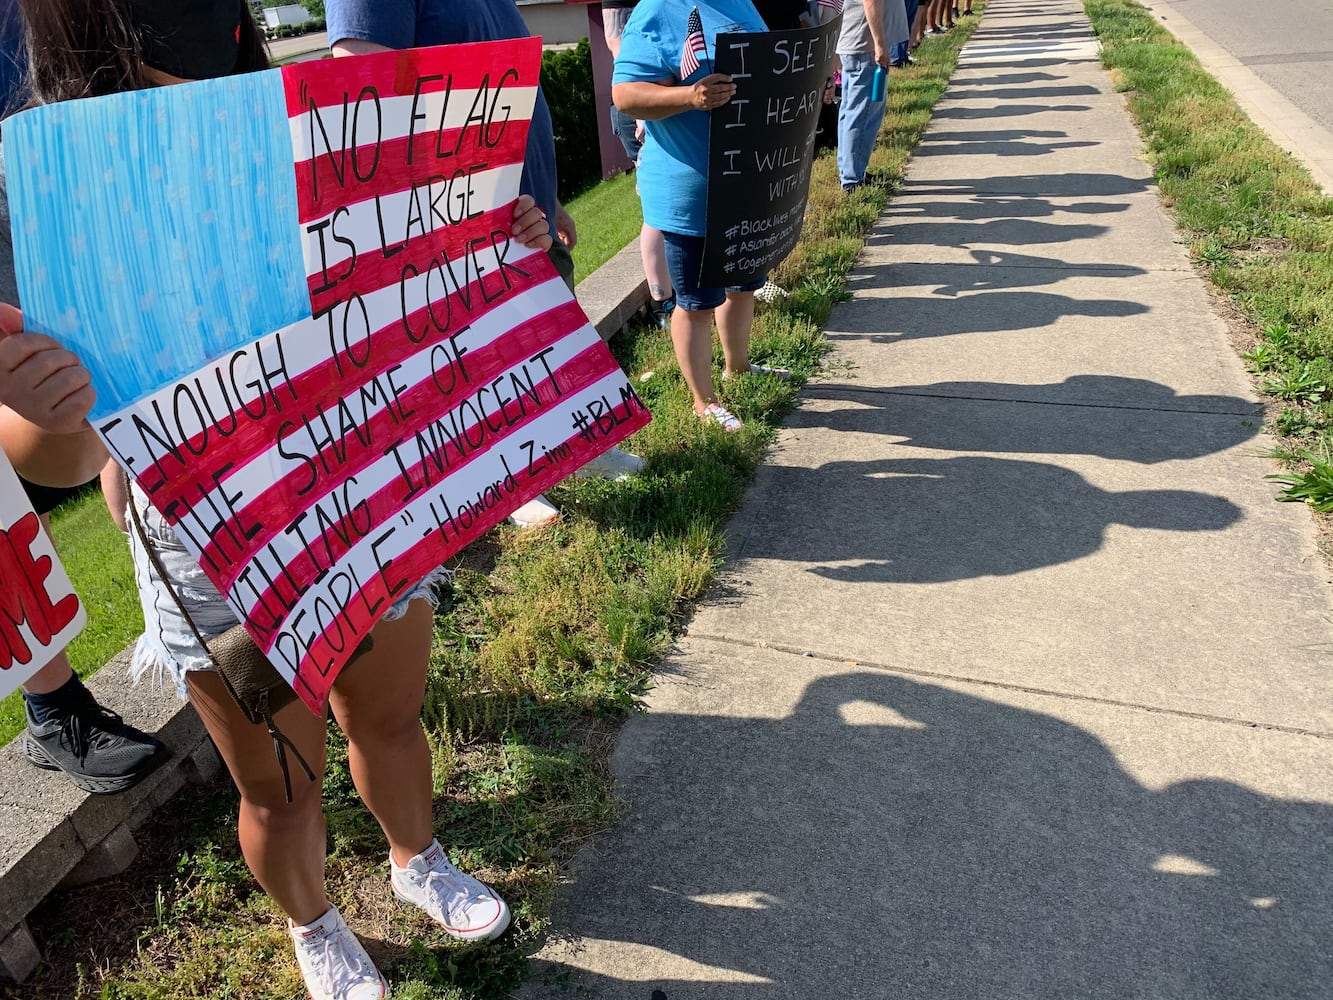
(760,146)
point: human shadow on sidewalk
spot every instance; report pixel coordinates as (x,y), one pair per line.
(1001,269)
(1001,142)
(944,519)
(1003,230)
(922,317)
(1004,111)
(897,839)
(1007,93)
(1135,420)
(1005,78)
(1082,185)
(992,206)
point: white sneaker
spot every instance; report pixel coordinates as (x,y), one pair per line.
(460,904)
(782,373)
(613,464)
(334,964)
(535,513)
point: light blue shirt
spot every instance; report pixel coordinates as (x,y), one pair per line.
(673,168)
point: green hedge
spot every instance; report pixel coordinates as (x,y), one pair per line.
(567,84)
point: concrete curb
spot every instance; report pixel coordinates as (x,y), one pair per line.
(614,293)
(1287,125)
(53,834)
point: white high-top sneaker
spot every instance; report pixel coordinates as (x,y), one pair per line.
(334,964)
(460,904)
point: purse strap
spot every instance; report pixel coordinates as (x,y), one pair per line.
(281,742)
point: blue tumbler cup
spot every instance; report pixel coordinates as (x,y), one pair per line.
(878,84)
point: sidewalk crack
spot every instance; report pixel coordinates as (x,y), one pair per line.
(1022,688)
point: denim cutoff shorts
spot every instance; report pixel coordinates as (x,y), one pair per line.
(684,256)
(168,647)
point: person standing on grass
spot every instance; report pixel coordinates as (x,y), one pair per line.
(358,27)
(65,729)
(902,52)
(664,77)
(662,299)
(86,48)
(870,29)
(940,16)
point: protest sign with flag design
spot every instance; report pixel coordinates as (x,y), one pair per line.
(315,346)
(695,48)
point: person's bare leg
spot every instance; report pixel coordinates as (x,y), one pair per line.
(51,677)
(692,338)
(116,494)
(377,702)
(919,25)
(653,251)
(735,317)
(283,843)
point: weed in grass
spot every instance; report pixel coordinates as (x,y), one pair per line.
(1299,383)
(1213,253)
(1262,357)
(1313,484)
(1279,337)
(1293,422)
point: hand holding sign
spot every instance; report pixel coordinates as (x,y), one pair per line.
(40,380)
(713,91)
(530,226)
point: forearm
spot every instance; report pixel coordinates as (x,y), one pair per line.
(651,101)
(875,22)
(50,459)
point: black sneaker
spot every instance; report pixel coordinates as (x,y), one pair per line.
(659,311)
(91,744)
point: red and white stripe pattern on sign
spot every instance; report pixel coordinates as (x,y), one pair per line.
(695,48)
(446,376)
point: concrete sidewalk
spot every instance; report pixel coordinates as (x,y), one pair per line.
(1016,685)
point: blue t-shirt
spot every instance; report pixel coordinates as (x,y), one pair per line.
(673,168)
(405,24)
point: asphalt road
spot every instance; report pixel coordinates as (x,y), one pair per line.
(1286,43)
(281,48)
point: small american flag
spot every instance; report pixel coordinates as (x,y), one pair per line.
(833,6)
(694,47)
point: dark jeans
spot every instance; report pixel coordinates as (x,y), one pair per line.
(624,127)
(900,51)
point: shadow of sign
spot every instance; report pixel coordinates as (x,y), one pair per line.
(890,838)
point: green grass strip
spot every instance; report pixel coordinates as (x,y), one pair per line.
(1259,227)
(607,216)
(544,645)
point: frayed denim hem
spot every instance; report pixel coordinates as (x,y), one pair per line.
(426,590)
